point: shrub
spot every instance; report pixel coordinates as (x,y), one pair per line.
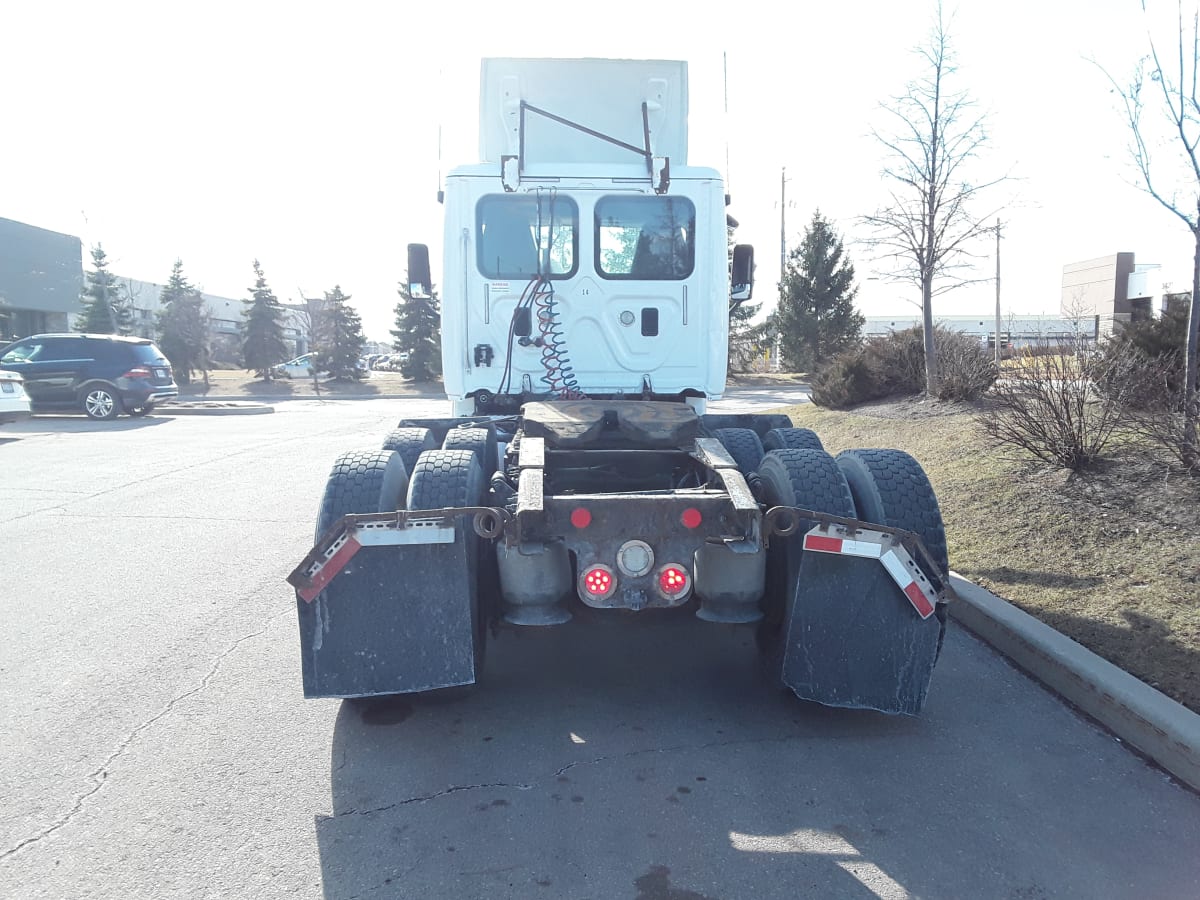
(1051,405)
(847,380)
(894,365)
(966,367)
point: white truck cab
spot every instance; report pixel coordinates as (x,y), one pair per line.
(583,256)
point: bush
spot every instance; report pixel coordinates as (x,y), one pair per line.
(966,367)
(1063,407)
(847,380)
(894,366)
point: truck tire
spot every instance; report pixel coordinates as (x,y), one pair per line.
(478,438)
(767,421)
(743,445)
(410,443)
(445,479)
(791,439)
(363,481)
(806,478)
(890,488)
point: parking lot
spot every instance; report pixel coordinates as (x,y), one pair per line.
(156,743)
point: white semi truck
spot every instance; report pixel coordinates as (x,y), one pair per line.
(587,284)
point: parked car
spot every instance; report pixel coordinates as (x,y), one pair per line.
(14,402)
(300,367)
(100,375)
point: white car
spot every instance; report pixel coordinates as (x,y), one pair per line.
(14,402)
(300,367)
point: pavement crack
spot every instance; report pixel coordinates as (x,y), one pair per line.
(426,798)
(99,776)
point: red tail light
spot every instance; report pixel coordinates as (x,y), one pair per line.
(691,518)
(598,581)
(137,372)
(673,581)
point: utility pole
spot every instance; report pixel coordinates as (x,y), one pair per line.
(782,223)
(997,293)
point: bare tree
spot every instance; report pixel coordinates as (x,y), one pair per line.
(1173,126)
(927,226)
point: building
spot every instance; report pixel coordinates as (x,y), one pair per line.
(225,319)
(41,276)
(1114,290)
(1016,331)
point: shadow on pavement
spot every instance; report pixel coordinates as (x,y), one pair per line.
(652,759)
(68,424)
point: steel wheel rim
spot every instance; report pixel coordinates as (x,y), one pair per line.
(99,403)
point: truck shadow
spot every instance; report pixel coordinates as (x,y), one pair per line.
(609,759)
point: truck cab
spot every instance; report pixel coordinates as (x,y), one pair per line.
(583,256)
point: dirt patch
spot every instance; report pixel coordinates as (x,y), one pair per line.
(1109,556)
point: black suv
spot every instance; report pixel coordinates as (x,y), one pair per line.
(101,375)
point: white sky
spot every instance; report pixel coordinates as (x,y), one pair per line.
(306,134)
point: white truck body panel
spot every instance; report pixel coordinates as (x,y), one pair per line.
(605,95)
(592,221)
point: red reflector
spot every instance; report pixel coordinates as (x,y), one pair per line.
(138,372)
(581,518)
(691,518)
(672,580)
(597,581)
(819,542)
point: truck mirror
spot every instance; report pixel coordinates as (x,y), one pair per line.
(741,286)
(419,282)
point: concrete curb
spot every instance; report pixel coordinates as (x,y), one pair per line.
(215,408)
(1164,730)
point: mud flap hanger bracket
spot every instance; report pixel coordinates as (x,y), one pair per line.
(349,534)
(898,550)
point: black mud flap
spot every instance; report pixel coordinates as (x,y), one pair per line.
(853,639)
(395,620)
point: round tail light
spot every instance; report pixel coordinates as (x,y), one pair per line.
(674,581)
(597,581)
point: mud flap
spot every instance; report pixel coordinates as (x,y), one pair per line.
(395,620)
(853,639)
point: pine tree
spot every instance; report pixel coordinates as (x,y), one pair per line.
(105,309)
(262,328)
(183,327)
(340,339)
(816,316)
(418,333)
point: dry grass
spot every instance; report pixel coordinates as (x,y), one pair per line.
(1109,556)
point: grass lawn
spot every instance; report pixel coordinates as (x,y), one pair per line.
(1110,557)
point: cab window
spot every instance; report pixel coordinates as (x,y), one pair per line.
(645,238)
(520,236)
(23,352)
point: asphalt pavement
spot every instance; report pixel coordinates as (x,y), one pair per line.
(156,743)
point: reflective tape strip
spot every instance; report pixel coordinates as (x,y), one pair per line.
(823,544)
(905,581)
(417,531)
(333,564)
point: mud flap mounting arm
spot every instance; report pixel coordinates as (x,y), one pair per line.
(896,549)
(349,534)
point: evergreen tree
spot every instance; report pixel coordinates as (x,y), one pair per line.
(105,309)
(183,327)
(418,333)
(262,328)
(340,338)
(816,318)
